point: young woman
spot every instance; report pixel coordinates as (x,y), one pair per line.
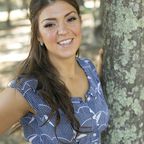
(56,95)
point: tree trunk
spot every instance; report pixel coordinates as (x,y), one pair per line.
(8,2)
(123,30)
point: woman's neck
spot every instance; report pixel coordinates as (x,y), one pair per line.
(67,68)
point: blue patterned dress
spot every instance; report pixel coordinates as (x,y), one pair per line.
(93,112)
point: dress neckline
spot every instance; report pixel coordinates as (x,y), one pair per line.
(77,99)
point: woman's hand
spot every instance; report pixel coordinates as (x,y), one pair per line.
(99,62)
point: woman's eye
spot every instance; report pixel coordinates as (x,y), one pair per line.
(50,25)
(72,19)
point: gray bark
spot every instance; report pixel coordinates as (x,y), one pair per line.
(123,30)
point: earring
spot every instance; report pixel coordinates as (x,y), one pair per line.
(41,44)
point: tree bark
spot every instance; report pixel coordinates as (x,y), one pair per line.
(123,30)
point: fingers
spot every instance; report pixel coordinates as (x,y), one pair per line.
(99,61)
(101,51)
(99,57)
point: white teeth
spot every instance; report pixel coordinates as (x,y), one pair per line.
(65,42)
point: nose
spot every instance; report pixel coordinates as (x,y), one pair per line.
(62,29)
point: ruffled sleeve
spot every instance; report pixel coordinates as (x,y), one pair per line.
(28,89)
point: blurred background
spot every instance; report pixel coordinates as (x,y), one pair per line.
(15,40)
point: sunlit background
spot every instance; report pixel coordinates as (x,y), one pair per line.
(15,40)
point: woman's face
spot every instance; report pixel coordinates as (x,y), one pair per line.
(60,30)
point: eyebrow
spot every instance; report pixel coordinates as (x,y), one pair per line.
(55,18)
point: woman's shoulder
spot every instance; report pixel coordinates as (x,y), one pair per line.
(88,67)
(28,89)
(86,62)
(23,82)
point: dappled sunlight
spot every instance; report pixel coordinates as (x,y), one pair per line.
(13,57)
(20,30)
(14,43)
(16,30)
(92,4)
(7,72)
(14,47)
(87,20)
(14,15)
(4,80)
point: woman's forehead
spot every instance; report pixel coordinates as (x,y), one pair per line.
(56,9)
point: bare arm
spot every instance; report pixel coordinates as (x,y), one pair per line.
(12,107)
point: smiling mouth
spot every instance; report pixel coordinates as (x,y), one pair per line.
(65,42)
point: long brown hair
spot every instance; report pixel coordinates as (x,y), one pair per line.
(38,65)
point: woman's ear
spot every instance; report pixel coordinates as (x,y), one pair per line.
(39,39)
